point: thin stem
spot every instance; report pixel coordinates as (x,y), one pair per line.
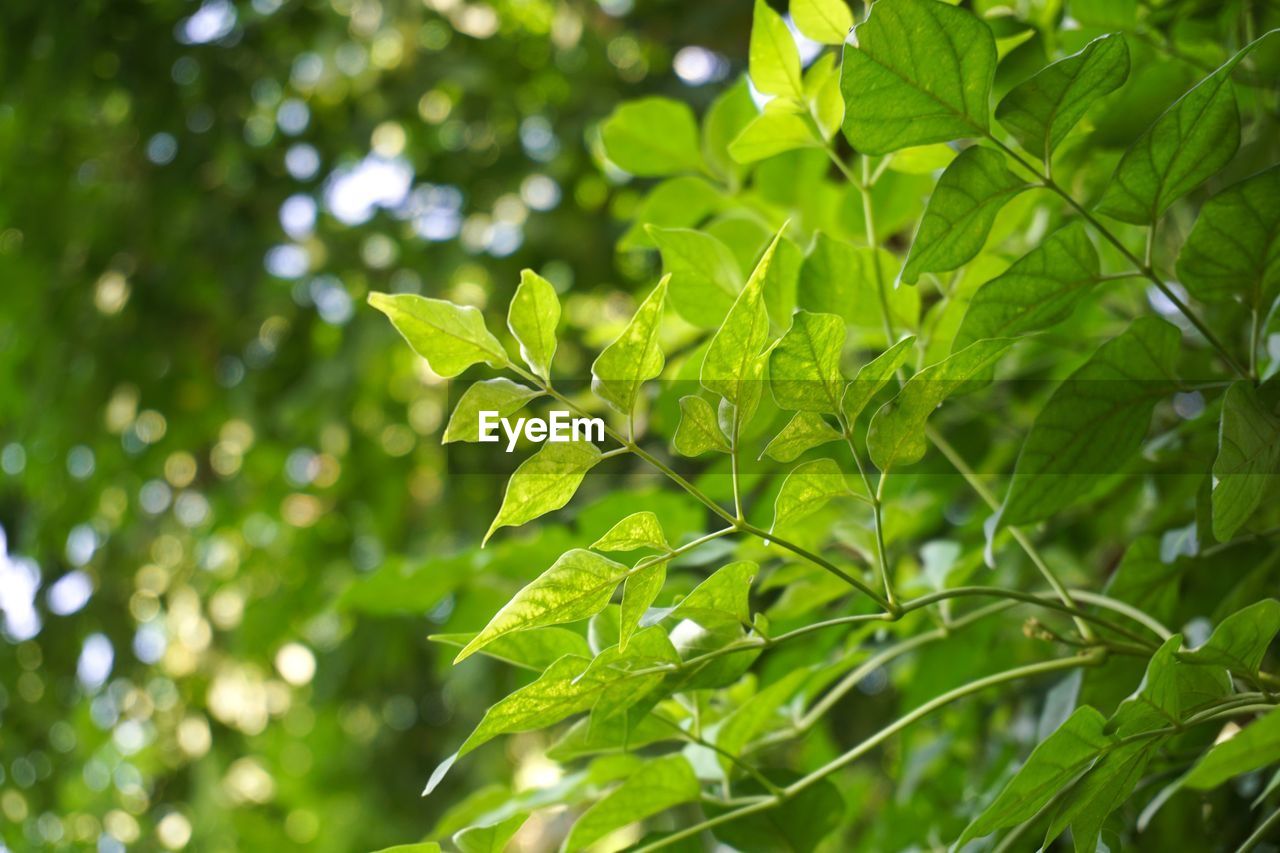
(877,515)
(1088,659)
(1260,834)
(733,759)
(815,559)
(958,462)
(1147,270)
(1139,616)
(733,469)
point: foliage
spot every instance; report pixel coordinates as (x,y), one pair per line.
(1039,325)
(938,496)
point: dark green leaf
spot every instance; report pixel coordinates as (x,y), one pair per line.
(915,72)
(1041,111)
(961,212)
(1233,252)
(1240,642)
(1248,458)
(896,435)
(1094,422)
(1039,290)
(1254,747)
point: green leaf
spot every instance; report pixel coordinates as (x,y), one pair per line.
(634,358)
(752,717)
(639,592)
(577,586)
(775,131)
(1170,691)
(1240,642)
(658,785)
(680,202)
(727,591)
(489,839)
(638,530)
(1233,252)
(1192,140)
(825,21)
(1053,765)
(922,159)
(536,649)
(728,115)
(1041,111)
(1252,748)
(1145,580)
(652,137)
(699,429)
(961,212)
(773,61)
(734,363)
(420,847)
(804,431)
(1094,422)
(872,377)
(1248,458)
(703,273)
(797,825)
(807,489)
(492,395)
(570,686)
(837,278)
(544,482)
(1041,289)
(450,337)
(1103,789)
(896,435)
(822,94)
(804,366)
(532,319)
(916,72)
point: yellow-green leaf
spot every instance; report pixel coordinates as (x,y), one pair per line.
(532,319)
(450,337)
(544,482)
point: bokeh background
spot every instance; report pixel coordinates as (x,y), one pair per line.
(209,443)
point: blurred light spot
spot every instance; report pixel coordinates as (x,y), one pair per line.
(535,772)
(247,782)
(194,737)
(1188,405)
(299,510)
(80,462)
(180,469)
(185,71)
(616,8)
(150,426)
(539,141)
(149,643)
(302,161)
(154,496)
(200,119)
(697,66)
(301,466)
(111,293)
(296,664)
(174,830)
(298,215)
(287,261)
(94,666)
(13,459)
(331,299)
(435,106)
(82,542)
(19,579)
(354,193)
(540,192)
(379,251)
(162,148)
(129,737)
(350,58)
(477,20)
(191,509)
(302,825)
(388,139)
(69,593)
(212,21)
(435,212)
(121,826)
(293,117)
